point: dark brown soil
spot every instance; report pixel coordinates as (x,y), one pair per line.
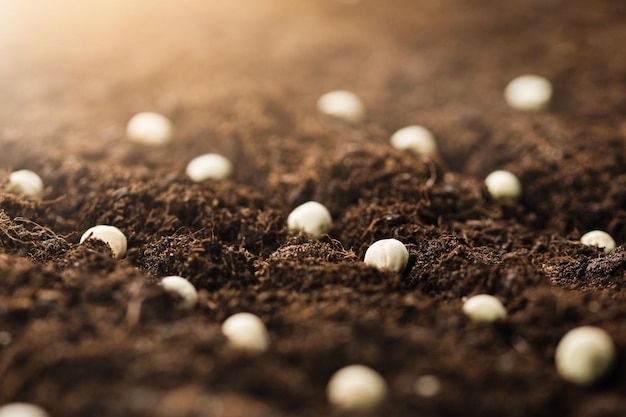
(82,334)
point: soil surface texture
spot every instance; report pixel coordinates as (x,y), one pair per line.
(83,334)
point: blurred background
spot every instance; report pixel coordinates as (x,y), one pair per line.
(73,72)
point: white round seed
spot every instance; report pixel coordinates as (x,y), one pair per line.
(5,338)
(25,182)
(111,235)
(246,331)
(209,166)
(22,410)
(585,355)
(416,139)
(600,239)
(528,92)
(342,105)
(357,388)
(427,386)
(503,184)
(387,254)
(484,308)
(184,289)
(150,129)
(311,217)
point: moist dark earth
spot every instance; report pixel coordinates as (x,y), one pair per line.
(83,334)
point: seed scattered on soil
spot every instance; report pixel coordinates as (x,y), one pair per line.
(150,128)
(342,105)
(427,386)
(387,254)
(5,338)
(246,331)
(484,308)
(183,289)
(22,410)
(209,166)
(111,235)
(25,182)
(356,388)
(528,92)
(311,217)
(88,335)
(416,139)
(600,239)
(585,355)
(503,184)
